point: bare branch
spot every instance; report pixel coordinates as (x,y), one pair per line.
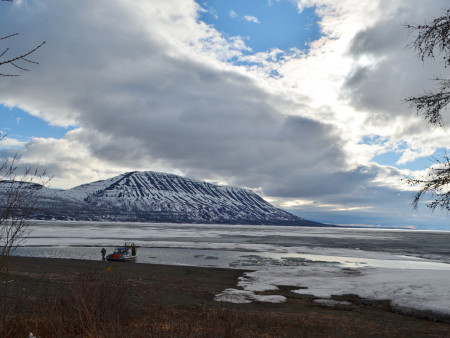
(21,68)
(22,57)
(431,104)
(4,52)
(8,36)
(19,198)
(432,39)
(436,184)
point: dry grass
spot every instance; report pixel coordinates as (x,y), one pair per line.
(99,305)
(93,305)
(111,304)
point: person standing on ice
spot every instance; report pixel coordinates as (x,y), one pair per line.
(103,254)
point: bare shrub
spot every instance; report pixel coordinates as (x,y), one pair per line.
(101,296)
(19,198)
(94,305)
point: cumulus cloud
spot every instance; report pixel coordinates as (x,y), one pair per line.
(8,143)
(251,18)
(157,99)
(150,87)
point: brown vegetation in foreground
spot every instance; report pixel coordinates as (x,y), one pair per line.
(77,298)
(103,305)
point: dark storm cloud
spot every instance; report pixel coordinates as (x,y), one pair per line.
(146,84)
(140,101)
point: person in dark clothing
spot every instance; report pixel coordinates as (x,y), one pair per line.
(103,254)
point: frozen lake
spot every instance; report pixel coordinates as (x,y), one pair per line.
(238,245)
(411,268)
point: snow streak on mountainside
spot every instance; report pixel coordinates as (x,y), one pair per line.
(159,197)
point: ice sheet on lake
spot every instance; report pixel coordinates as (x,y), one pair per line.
(424,292)
(409,268)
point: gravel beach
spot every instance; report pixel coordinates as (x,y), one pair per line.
(189,291)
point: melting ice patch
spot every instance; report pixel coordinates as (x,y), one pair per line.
(243,296)
(409,268)
(426,292)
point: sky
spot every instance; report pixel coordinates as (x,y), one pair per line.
(301,101)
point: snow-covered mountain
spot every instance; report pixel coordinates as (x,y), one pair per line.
(160,197)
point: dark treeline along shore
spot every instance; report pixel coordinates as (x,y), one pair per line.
(70,298)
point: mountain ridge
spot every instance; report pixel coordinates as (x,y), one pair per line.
(161,197)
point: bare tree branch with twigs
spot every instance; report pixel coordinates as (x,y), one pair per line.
(432,103)
(433,40)
(19,198)
(18,193)
(436,184)
(20,61)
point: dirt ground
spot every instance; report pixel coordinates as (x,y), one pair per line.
(191,290)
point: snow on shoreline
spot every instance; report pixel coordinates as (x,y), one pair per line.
(409,268)
(410,291)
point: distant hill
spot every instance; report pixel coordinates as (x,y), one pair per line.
(160,197)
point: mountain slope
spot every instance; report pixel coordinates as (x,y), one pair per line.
(152,196)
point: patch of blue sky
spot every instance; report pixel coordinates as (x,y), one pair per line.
(20,125)
(262,24)
(374,139)
(391,158)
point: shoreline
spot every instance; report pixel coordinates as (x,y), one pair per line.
(179,286)
(326,225)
